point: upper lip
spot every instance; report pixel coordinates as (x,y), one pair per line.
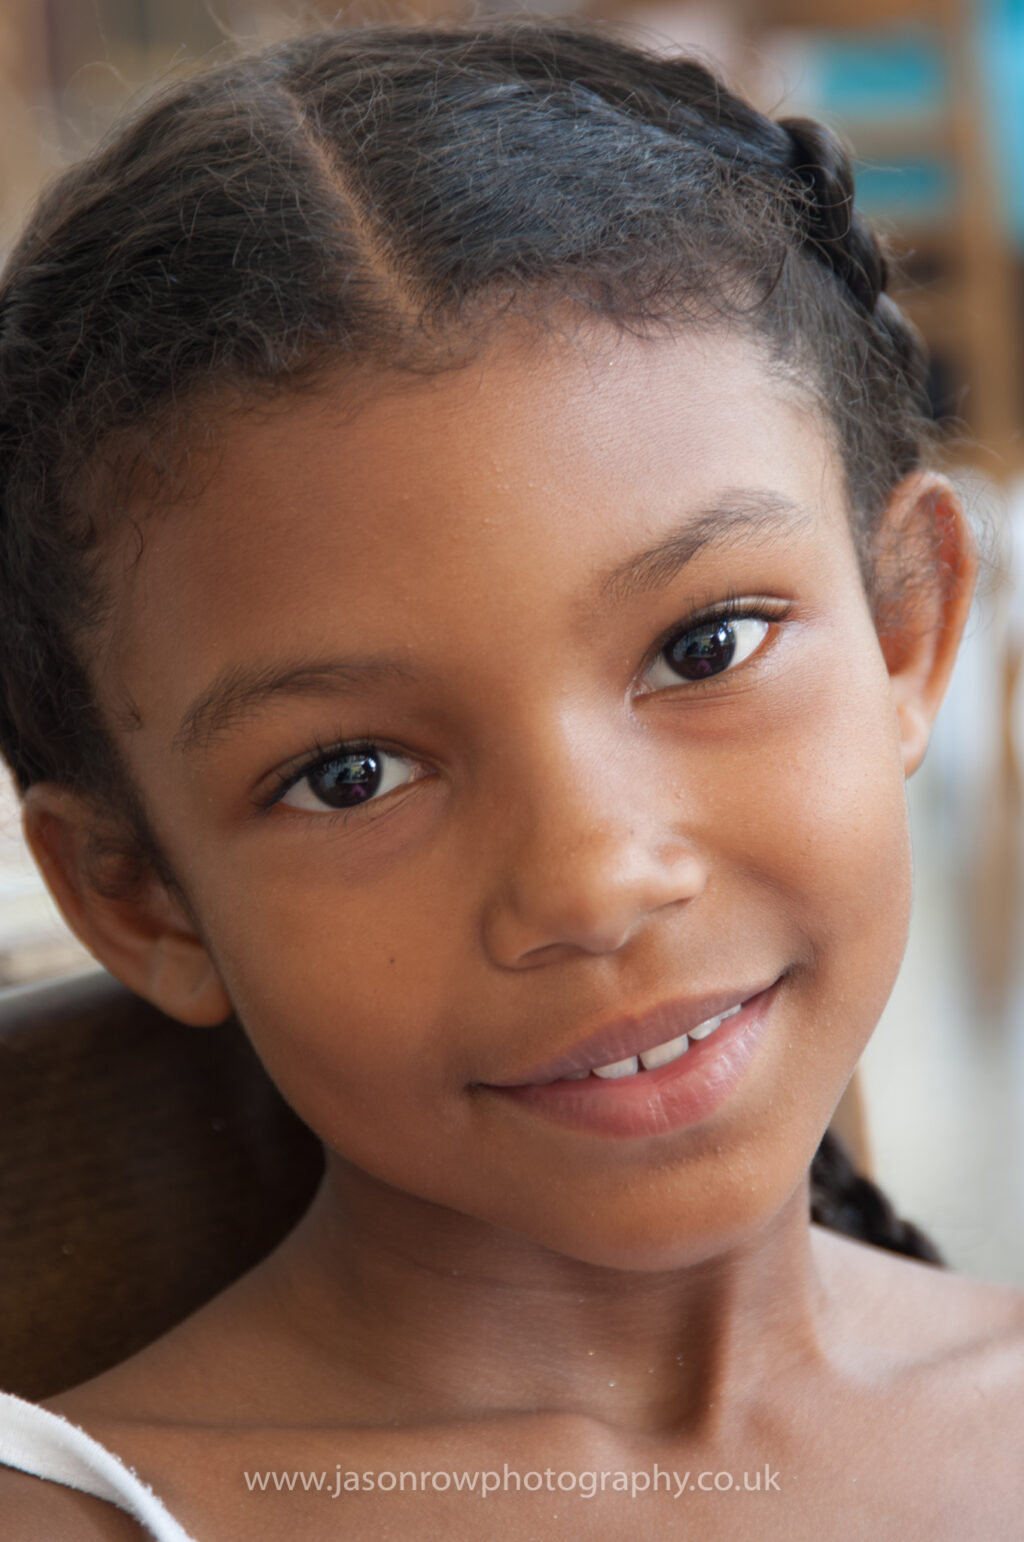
(636,1032)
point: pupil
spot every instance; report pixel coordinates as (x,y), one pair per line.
(346,781)
(707,650)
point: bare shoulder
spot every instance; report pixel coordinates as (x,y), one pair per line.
(30,1508)
(925,1319)
(197,1373)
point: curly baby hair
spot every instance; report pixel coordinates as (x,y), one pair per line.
(377,199)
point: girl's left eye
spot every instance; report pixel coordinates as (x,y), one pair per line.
(708,649)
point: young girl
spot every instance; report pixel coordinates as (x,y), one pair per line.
(473,590)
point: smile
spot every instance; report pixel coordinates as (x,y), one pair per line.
(670,1085)
(661,1054)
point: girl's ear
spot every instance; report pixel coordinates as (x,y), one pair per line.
(127,916)
(927,567)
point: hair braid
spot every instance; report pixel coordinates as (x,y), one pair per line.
(835,231)
(839,236)
(844,1201)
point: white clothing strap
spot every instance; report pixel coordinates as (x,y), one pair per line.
(42,1443)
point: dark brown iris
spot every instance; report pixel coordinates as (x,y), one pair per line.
(703,651)
(345,781)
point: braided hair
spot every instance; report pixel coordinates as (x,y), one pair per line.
(380,197)
(846,1201)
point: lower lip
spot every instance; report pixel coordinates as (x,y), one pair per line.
(656,1102)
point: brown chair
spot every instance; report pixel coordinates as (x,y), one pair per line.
(143,1167)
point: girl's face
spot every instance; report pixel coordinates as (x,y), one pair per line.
(584,795)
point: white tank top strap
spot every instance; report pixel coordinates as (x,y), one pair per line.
(41,1443)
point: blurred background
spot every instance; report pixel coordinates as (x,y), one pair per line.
(931,98)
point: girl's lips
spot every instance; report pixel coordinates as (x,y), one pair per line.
(655,1102)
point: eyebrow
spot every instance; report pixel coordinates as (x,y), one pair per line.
(770,514)
(239,691)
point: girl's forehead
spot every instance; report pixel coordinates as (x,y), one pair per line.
(582,422)
(531,471)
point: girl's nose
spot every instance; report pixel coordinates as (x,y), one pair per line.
(586,861)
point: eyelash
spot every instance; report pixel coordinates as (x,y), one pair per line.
(732,608)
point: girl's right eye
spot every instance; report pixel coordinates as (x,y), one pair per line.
(346,778)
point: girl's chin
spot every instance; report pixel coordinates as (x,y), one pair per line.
(650,1239)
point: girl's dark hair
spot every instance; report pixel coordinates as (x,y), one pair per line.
(845,1201)
(380,198)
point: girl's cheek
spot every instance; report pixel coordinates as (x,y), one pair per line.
(340,992)
(840,829)
(807,790)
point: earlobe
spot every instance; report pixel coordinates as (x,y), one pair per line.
(128,918)
(183,982)
(915,733)
(927,567)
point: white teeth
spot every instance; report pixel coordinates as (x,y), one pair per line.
(619,1068)
(703,1029)
(662,1054)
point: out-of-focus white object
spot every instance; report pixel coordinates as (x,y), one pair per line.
(1015,606)
(34,940)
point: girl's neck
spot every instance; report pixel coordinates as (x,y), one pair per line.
(412,1313)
